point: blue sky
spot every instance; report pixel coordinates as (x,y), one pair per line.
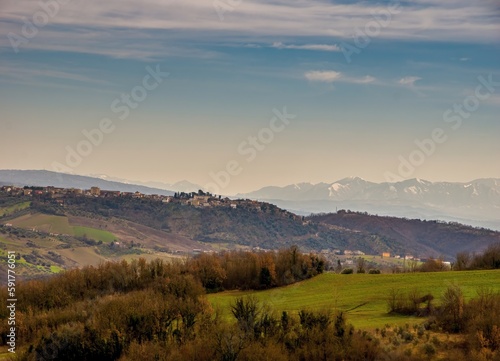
(365,80)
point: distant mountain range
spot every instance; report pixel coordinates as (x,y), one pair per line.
(476,202)
(181,186)
(47,178)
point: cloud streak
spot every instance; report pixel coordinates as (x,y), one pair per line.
(364,80)
(409,80)
(322,76)
(169,27)
(317,47)
(330,76)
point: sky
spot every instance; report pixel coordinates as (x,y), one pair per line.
(235,95)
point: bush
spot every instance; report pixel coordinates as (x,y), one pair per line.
(374,272)
(433,265)
(409,304)
(451,312)
(428,349)
(347,271)
(489,259)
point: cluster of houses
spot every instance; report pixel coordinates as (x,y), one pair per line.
(57,192)
(346,252)
(407,257)
(351,255)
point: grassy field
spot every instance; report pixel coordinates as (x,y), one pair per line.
(61,225)
(35,247)
(44,222)
(97,234)
(362,296)
(83,255)
(15,208)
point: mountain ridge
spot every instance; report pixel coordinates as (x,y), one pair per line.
(63,180)
(302,191)
(476,202)
(247,223)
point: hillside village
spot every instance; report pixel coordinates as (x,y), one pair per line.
(195,199)
(60,196)
(198,199)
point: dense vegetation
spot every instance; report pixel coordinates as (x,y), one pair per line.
(415,236)
(489,259)
(267,226)
(478,319)
(158,311)
(97,312)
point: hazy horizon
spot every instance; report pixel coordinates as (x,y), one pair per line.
(162,184)
(257,93)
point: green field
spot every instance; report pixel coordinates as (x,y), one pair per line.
(60,225)
(97,234)
(14,208)
(45,223)
(362,296)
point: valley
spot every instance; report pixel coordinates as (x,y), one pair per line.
(53,229)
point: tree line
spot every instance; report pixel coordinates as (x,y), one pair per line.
(96,312)
(157,310)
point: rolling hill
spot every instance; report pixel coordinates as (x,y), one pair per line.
(415,235)
(178,226)
(362,297)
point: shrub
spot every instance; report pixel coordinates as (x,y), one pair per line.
(428,349)
(347,271)
(451,313)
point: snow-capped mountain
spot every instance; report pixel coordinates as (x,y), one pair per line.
(476,202)
(480,191)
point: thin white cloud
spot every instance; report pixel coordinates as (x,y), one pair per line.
(364,80)
(26,73)
(252,46)
(409,80)
(323,76)
(330,76)
(317,47)
(464,59)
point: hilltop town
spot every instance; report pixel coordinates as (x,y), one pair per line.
(195,199)
(204,221)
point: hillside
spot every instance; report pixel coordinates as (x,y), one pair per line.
(431,238)
(249,224)
(259,224)
(362,297)
(86,230)
(176,224)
